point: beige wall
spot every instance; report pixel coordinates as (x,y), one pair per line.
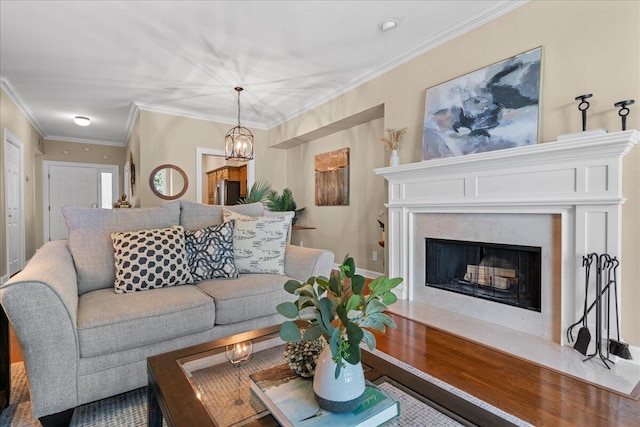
(171,139)
(351,229)
(588,47)
(12,119)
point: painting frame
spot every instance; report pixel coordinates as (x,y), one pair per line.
(492,108)
(332,178)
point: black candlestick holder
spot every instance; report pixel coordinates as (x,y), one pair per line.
(584,106)
(624,111)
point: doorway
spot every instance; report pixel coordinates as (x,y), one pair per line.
(14,202)
(201,180)
(75,184)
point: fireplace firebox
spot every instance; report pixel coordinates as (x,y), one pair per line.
(507,274)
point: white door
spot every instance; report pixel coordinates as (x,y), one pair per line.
(13,192)
(69,185)
(76,184)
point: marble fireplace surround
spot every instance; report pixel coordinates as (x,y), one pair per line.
(570,189)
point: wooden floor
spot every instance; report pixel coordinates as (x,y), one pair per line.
(533,393)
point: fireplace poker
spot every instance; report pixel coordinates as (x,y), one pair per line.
(584,106)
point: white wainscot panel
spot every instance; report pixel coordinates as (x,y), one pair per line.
(435,189)
(597,179)
(546,182)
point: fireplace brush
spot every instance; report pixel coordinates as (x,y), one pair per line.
(616,347)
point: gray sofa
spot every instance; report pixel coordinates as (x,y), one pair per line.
(82,342)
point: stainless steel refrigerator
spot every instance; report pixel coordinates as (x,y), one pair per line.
(227,192)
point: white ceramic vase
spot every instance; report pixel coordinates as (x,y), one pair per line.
(395,159)
(342,394)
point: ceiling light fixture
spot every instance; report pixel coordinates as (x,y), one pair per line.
(388,24)
(82,121)
(238,142)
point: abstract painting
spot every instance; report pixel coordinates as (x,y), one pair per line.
(332,178)
(493,108)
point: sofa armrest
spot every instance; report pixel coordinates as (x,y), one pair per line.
(41,303)
(301,263)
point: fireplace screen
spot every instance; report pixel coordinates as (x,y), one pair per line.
(506,274)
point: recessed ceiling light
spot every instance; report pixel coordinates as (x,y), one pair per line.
(82,121)
(388,24)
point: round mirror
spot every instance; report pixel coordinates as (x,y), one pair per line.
(168,182)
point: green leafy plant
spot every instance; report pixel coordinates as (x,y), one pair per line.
(338,308)
(282,203)
(259,192)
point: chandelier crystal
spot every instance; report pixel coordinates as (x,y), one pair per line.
(238,142)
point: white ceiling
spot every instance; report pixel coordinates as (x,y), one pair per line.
(105,59)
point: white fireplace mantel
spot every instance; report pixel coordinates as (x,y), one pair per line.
(579,179)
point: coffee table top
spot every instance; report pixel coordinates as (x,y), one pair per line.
(199,386)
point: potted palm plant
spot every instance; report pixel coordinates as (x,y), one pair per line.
(341,309)
(282,203)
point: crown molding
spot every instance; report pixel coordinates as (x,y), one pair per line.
(13,94)
(134,112)
(154,108)
(84,141)
(492,12)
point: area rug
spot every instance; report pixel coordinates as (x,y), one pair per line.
(130,409)
(125,410)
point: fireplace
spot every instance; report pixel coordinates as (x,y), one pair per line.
(503,273)
(564,197)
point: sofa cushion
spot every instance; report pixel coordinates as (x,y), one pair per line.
(150,259)
(259,242)
(210,252)
(110,322)
(247,297)
(196,216)
(90,238)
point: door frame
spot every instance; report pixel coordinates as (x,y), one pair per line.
(204,151)
(115,185)
(11,138)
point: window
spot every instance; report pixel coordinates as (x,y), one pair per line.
(106,190)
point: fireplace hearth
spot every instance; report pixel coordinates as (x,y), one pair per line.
(507,274)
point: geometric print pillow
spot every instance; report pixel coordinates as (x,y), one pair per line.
(259,242)
(150,259)
(210,252)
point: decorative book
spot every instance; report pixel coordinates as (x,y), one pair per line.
(290,400)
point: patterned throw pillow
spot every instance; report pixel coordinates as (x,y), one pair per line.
(259,242)
(210,252)
(150,259)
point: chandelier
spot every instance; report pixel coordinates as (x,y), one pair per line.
(238,142)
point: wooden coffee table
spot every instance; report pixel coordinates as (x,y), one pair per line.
(196,386)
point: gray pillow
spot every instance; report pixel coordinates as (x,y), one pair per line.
(90,238)
(196,216)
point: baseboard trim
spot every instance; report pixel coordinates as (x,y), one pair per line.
(361,271)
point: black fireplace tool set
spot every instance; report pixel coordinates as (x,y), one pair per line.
(606,280)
